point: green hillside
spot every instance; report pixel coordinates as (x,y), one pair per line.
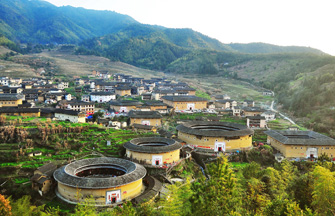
(41,22)
(269,48)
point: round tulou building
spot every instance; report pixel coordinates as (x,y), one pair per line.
(220,136)
(108,180)
(154,151)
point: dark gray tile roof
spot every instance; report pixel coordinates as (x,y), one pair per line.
(256,117)
(47,169)
(144,114)
(67,174)
(11,96)
(184,98)
(125,103)
(102,93)
(19,110)
(164,145)
(214,129)
(289,137)
(67,112)
(154,103)
(253,109)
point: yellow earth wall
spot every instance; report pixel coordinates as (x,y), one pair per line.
(248,113)
(123,92)
(128,192)
(38,114)
(168,157)
(117,108)
(153,108)
(294,151)
(209,142)
(153,122)
(183,105)
(13,103)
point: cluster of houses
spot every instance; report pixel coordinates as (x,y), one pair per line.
(122,93)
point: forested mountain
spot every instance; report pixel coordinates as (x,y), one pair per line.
(297,74)
(269,48)
(38,21)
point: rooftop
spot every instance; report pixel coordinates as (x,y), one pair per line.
(184,98)
(152,145)
(214,129)
(67,175)
(125,103)
(144,114)
(289,137)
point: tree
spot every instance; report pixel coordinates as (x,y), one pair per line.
(219,194)
(85,208)
(176,202)
(23,207)
(5,208)
(323,191)
(97,115)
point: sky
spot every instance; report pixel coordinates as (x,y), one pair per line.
(307,23)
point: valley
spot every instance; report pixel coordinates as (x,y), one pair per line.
(103,115)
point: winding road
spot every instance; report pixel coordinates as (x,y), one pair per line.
(282,115)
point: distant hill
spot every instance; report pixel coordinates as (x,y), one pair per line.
(148,46)
(269,48)
(41,22)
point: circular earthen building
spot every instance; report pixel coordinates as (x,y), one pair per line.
(220,136)
(153,150)
(107,180)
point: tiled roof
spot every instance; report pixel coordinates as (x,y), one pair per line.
(289,137)
(184,98)
(214,129)
(143,145)
(67,174)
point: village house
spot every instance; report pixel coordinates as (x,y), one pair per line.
(42,180)
(268,93)
(103,86)
(34,154)
(152,118)
(301,144)
(225,103)
(29,112)
(124,106)
(185,102)
(11,100)
(123,90)
(269,115)
(153,105)
(256,122)
(252,111)
(248,103)
(236,111)
(87,107)
(70,115)
(222,97)
(102,97)
(63,85)
(85,98)
(10,90)
(4,81)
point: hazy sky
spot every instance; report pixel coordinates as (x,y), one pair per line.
(280,22)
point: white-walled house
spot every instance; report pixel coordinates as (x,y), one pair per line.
(69,115)
(269,115)
(102,97)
